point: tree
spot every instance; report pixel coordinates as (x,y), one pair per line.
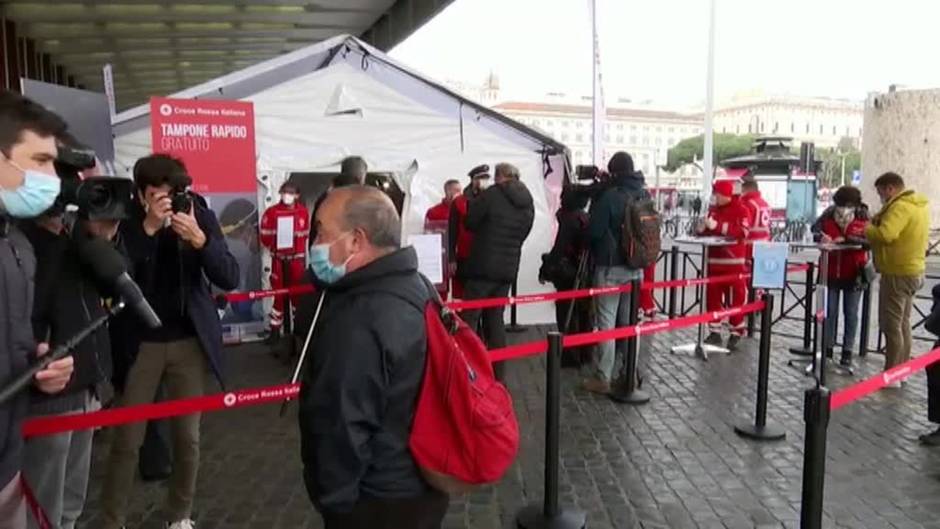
(831,172)
(726,146)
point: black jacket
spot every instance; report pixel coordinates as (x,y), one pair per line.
(361,384)
(67,300)
(607,213)
(212,264)
(17,347)
(500,219)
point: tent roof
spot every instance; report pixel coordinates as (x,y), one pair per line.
(281,70)
(158,46)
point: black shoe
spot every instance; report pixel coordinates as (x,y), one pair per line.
(713,339)
(931,439)
(733,342)
(273,338)
(846,359)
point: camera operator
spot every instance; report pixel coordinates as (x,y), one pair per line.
(28,187)
(175,244)
(67,300)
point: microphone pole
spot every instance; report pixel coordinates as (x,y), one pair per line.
(60,352)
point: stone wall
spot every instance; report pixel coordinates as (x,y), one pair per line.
(902,134)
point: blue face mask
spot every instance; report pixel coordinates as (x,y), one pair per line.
(320,263)
(36,195)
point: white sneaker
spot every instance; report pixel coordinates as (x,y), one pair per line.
(182,524)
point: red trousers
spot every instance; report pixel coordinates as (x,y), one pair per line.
(725,296)
(282,277)
(647,303)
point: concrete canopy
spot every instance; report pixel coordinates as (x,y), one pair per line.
(162,46)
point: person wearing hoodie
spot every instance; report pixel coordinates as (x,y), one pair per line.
(845,222)
(610,268)
(898,237)
(560,266)
(730,218)
(500,220)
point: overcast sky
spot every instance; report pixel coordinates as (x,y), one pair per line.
(657,49)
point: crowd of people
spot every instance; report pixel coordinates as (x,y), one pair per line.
(358,393)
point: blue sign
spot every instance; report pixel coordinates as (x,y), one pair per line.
(770,265)
(856,177)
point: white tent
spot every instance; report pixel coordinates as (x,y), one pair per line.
(341,97)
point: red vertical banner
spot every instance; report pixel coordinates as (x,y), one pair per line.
(214,138)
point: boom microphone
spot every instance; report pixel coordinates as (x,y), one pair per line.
(108,265)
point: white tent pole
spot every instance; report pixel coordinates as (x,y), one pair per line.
(708,162)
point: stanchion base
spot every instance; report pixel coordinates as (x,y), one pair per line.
(769,432)
(800,351)
(533,517)
(515,328)
(699,350)
(623,396)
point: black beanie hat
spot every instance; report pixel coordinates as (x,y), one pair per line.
(620,163)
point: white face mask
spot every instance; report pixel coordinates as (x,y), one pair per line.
(288,198)
(844,216)
(484,183)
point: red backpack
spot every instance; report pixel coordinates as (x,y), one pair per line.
(465,432)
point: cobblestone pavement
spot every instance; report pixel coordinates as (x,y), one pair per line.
(673,463)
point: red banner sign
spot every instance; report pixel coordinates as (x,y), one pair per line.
(215,139)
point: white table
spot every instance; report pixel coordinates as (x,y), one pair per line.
(699,348)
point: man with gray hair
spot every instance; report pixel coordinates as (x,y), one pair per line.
(359,391)
(500,219)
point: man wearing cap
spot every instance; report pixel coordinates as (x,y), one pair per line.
(288,250)
(758,212)
(730,218)
(459,238)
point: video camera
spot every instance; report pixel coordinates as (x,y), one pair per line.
(96,197)
(590,180)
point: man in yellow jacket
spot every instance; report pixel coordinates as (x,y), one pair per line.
(898,237)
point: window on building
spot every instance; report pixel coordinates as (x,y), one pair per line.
(821,130)
(671,130)
(646,128)
(564,136)
(737,129)
(847,133)
(646,140)
(762,126)
(776,126)
(659,141)
(579,137)
(619,126)
(723,130)
(632,140)
(659,129)
(672,141)
(565,123)
(633,127)
(792,127)
(749,131)
(807,128)
(620,139)
(535,123)
(607,138)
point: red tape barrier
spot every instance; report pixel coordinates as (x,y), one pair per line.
(895,374)
(263,395)
(654,327)
(159,410)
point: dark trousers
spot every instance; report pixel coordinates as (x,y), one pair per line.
(933,391)
(424,512)
(494,328)
(580,322)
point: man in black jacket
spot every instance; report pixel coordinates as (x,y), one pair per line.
(28,187)
(500,219)
(360,389)
(175,255)
(932,324)
(68,299)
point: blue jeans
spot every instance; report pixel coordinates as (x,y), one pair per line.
(612,311)
(850,299)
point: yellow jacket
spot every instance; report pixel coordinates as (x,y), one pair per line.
(898,235)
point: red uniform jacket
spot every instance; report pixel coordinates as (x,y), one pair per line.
(845,265)
(461,238)
(301,230)
(759,218)
(733,221)
(437,217)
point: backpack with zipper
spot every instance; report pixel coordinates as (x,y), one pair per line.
(464,432)
(641,233)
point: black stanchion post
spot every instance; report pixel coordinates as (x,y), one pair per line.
(866,323)
(751,297)
(760,430)
(548,514)
(673,275)
(816,415)
(808,316)
(288,310)
(513,323)
(625,391)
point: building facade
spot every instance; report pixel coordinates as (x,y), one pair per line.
(646,134)
(822,121)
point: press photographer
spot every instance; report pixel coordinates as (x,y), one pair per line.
(175,244)
(70,294)
(28,187)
